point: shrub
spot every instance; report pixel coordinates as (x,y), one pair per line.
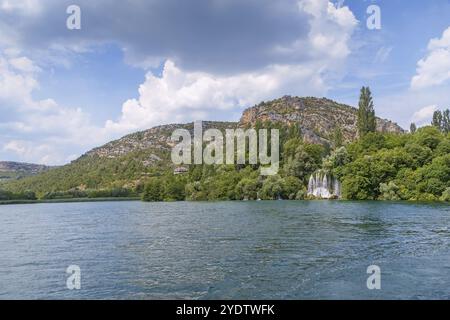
(389,191)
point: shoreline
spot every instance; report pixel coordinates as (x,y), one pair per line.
(77,200)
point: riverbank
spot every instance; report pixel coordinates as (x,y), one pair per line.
(9,202)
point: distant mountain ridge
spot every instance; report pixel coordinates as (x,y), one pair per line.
(16,170)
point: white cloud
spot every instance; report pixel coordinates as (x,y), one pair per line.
(180,96)
(403,104)
(434,69)
(24,64)
(38,130)
(30,152)
(25,6)
(302,63)
(424,115)
(15,84)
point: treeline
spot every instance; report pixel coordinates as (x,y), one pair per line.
(8,195)
(210,183)
(244,182)
(414,167)
(94,173)
(80,194)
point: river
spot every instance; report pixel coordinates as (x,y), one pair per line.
(225,250)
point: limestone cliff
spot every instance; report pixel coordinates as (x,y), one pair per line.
(317,118)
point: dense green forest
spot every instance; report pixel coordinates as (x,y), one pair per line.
(412,166)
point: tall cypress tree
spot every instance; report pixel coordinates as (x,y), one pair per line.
(412,128)
(437,119)
(366,113)
(446,121)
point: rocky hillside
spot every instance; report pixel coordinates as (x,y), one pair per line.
(128,162)
(16,170)
(158,138)
(318,118)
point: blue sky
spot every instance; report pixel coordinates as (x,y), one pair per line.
(136,64)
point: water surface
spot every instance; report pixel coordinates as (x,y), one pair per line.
(225,250)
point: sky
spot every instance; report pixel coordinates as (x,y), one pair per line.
(135,64)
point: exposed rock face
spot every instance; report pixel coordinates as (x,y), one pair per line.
(157,137)
(318,118)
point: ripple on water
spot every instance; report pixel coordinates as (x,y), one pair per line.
(226,250)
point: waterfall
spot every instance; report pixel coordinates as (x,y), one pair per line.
(311,185)
(324,186)
(337,188)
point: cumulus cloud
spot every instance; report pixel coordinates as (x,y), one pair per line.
(38,130)
(180,95)
(217,36)
(218,57)
(17,81)
(434,69)
(424,115)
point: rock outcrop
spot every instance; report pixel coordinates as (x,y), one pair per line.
(317,118)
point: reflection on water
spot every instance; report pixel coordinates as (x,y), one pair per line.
(225,250)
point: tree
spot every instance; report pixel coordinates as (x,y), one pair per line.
(421,155)
(355,188)
(412,128)
(428,136)
(272,188)
(291,187)
(366,113)
(174,189)
(306,159)
(446,195)
(247,189)
(153,191)
(5,195)
(338,138)
(446,121)
(437,119)
(389,191)
(337,158)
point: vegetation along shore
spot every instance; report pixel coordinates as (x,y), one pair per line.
(370,158)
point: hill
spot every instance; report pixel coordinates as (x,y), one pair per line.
(10,170)
(318,118)
(130,161)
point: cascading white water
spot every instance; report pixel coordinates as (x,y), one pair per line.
(323,186)
(337,188)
